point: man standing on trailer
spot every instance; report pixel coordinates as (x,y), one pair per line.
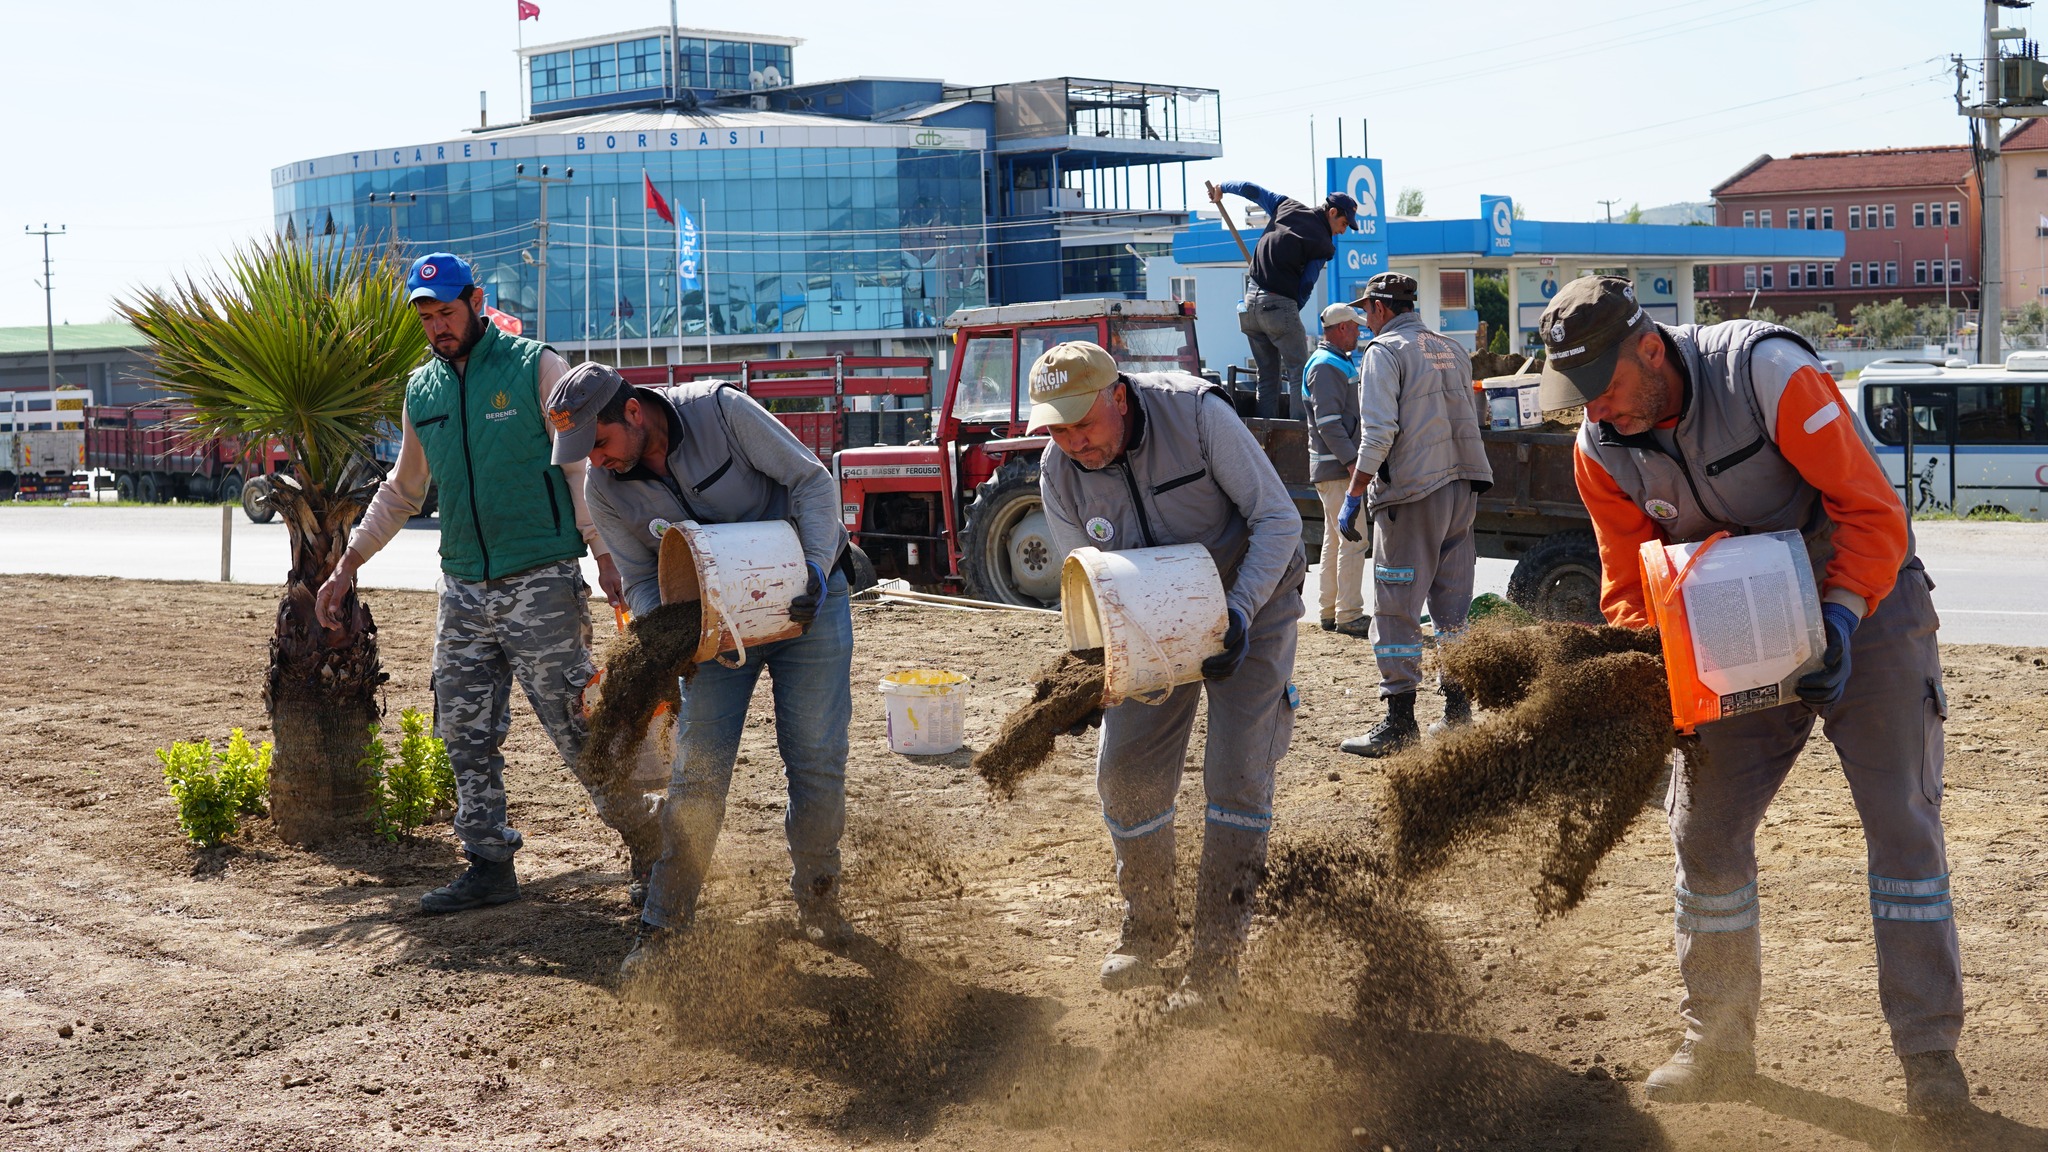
(1736,427)
(513,601)
(1291,252)
(1144,461)
(1332,390)
(1421,466)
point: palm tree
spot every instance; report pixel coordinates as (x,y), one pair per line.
(307,343)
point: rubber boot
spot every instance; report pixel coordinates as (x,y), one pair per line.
(487,882)
(1457,710)
(1135,961)
(818,917)
(1391,735)
(1696,1074)
(652,947)
(1935,1085)
(643,848)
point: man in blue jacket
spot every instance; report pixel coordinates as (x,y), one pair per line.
(1297,242)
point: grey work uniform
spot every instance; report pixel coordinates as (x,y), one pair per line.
(1720,469)
(1193,474)
(1331,382)
(1419,440)
(730,461)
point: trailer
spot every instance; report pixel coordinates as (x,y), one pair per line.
(828,402)
(154,457)
(41,438)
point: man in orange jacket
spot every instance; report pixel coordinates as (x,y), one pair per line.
(1735,427)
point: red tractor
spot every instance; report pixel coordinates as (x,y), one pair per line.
(962,513)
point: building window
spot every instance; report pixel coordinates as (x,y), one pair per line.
(1919,215)
(1810,218)
(640,64)
(1827,219)
(730,62)
(1827,275)
(597,70)
(1891,215)
(1767,276)
(552,77)
(1870,273)
(1955,212)
(1855,274)
(1184,289)
(1891,272)
(691,69)
(1855,217)
(1919,271)
(1749,277)
(772,62)
(1749,219)
(1792,276)
(1955,271)
(1763,218)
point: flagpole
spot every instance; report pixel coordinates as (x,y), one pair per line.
(704,262)
(618,320)
(588,229)
(679,286)
(646,272)
(519,66)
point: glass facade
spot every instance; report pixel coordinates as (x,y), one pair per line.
(630,66)
(811,239)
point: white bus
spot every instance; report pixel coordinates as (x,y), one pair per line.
(1958,437)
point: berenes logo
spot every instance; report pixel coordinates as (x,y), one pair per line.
(500,400)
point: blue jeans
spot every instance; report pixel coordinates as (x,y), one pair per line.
(811,679)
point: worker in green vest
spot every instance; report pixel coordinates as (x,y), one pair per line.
(514,604)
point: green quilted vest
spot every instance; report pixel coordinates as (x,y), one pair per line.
(504,507)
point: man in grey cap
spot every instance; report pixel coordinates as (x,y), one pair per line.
(1331,386)
(1736,428)
(707,452)
(1144,461)
(513,604)
(1422,467)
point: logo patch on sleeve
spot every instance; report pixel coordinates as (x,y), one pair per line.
(1100,531)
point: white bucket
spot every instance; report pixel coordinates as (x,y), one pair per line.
(1156,613)
(745,574)
(1512,402)
(927,711)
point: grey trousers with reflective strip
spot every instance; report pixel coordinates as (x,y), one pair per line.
(1423,555)
(1887,728)
(1138,770)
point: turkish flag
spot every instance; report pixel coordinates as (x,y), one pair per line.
(507,323)
(528,10)
(655,201)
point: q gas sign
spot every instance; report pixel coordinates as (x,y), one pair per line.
(1361,254)
(1497,217)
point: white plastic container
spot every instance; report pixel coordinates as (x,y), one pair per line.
(1156,613)
(927,711)
(1511,402)
(1740,622)
(745,574)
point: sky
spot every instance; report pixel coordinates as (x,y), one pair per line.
(149,130)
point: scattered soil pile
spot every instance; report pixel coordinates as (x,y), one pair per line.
(1068,692)
(1576,737)
(640,674)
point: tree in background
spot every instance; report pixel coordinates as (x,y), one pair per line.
(1816,325)
(1409,202)
(1936,322)
(310,345)
(1883,324)
(1490,299)
(1707,312)
(1634,215)
(2031,318)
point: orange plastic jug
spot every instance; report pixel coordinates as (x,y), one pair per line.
(1739,618)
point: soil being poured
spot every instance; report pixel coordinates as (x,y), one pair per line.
(1068,693)
(640,674)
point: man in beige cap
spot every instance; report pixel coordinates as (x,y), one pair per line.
(1330,382)
(1144,461)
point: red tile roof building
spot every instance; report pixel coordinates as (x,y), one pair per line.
(1908,216)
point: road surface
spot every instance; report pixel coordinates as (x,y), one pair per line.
(1991,580)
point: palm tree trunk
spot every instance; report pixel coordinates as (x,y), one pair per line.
(322,688)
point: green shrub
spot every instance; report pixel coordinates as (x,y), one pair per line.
(410,786)
(214,790)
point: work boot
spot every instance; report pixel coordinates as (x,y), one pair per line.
(487,882)
(643,848)
(1935,1085)
(1135,962)
(1457,710)
(1329,624)
(1206,994)
(652,950)
(1358,628)
(1391,735)
(1696,1074)
(819,920)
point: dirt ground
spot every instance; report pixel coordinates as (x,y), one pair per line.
(257,997)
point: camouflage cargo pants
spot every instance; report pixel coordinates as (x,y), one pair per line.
(536,627)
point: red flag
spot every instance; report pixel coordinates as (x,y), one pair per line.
(507,323)
(655,201)
(528,10)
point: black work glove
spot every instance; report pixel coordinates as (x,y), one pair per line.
(1823,687)
(1081,726)
(804,609)
(1235,637)
(1347,520)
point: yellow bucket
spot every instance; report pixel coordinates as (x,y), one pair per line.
(927,711)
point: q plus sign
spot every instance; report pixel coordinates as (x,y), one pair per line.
(1498,213)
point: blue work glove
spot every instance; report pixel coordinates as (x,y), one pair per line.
(1823,687)
(1347,520)
(804,608)
(1235,641)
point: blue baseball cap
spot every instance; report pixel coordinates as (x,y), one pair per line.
(442,275)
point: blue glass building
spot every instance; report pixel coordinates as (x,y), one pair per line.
(838,216)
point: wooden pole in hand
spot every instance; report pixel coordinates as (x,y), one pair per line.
(1216,198)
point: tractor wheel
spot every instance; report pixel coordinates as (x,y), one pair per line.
(228,490)
(1006,550)
(863,569)
(256,500)
(124,487)
(1559,579)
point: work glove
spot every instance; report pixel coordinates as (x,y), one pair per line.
(1824,686)
(1347,520)
(1235,641)
(1080,727)
(804,608)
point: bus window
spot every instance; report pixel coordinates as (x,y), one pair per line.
(1999,414)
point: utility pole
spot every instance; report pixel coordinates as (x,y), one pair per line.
(391,201)
(519,172)
(1609,205)
(1990,297)
(49,307)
